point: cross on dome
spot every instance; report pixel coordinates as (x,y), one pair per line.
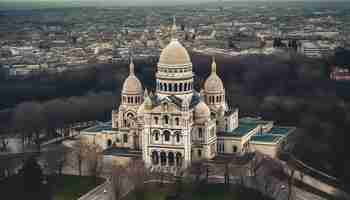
(213,65)
(173,29)
(132,66)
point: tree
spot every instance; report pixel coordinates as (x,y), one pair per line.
(29,120)
(118,180)
(78,154)
(32,175)
(55,160)
(94,160)
(138,175)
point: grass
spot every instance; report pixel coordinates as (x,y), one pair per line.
(204,192)
(69,187)
(65,187)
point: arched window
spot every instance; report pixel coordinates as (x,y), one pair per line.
(132,99)
(156,135)
(166,119)
(217,99)
(155,158)
(170,87)
(200,132)
(199,153)
(165,87)
(156,119)
(163,158)
(177,121)
(175,87)
(185,87)
(180,89)
(171,158)
(128,99)
(166,136)
(125,138)
(178,159)
(234,148)
(177,135)
(161,86)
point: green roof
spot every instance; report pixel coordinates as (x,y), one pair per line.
(250,120)
(266,138)
(240,131)
(278,130)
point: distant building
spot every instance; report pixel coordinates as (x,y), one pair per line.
(315,49)
(340,74)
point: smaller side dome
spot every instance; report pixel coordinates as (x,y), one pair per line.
(201,111)
(132,84)
(213,84)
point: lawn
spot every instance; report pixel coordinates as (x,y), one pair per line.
(205,192)
(65,187)
(70,187)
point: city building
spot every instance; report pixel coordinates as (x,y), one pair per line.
(176,125)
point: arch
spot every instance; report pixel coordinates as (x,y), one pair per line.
(185,87)
(199,153)
(163,158)
(180,88)
(217,99)
(178,135)
(170,88)
(156,120)
(165,87)
(109,143)
(125,138)
(161,86)
(155,158)
(171,159)
(156,135)
(175,87)
(166,119)
(166,134)
(177,121)
(234,148)
(200,132)
(178,158)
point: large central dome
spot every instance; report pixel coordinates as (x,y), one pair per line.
(174,54)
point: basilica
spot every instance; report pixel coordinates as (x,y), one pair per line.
(176,125)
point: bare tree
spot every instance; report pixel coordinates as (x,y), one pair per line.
(78,154)
(94,160)
(55,160)
(30,121)
(138,175)
(118,180)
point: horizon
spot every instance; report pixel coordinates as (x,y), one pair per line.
(138,3)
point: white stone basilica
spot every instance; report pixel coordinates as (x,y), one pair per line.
(177,125)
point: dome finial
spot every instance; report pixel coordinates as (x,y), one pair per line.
(173,29)
(213,65)
(145,93)
(132,66)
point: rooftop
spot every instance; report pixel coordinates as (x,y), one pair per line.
(99,128)
(266,138)
(240,131)
(279,130)
(253,120)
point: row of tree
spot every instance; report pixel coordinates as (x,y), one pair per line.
(35,121)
